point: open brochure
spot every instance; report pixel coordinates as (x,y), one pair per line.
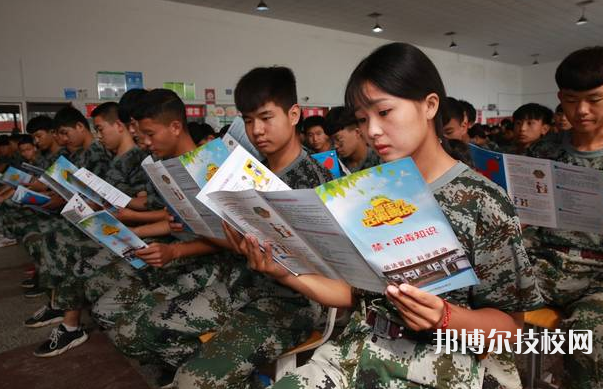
(178,181)
(60,178)
(26,196)
(34,170)
(15,177)
(106,191)
(115,236)
(547,193)
(372,228)
(329,160)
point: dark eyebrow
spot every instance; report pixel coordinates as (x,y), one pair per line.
(370,103)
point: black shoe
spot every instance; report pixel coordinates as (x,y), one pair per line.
(35,292)
(166,380)
(44,316)
(61,340)
(29,283)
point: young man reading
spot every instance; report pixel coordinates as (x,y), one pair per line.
(350,145)
(568,263)
(531,122)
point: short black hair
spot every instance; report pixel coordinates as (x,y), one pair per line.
(338,118)
(4,140)
(162,105)
(581,70)
(70,117)
(453,109)
(14,137)
(263,85)
(312,121)
(26,139)
(37,123)
(506,124)
(127,103)
(477,130)
(200,131)
(469,110)
(107,111)
(533,111)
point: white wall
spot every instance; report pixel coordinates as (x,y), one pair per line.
(50,45)
(539,84)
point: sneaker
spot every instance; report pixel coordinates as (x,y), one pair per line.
(35,292)
(29,283)
(61,340)
(166,379)
(44,316)
(30,271)
(5,242)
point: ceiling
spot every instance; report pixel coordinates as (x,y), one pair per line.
(520,27)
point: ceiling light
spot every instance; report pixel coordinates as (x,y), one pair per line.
(495,53)
(583,5)
(535,59)
(377,28)
(452,44)
(262,6)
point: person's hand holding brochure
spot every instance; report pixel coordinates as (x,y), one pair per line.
(374,227)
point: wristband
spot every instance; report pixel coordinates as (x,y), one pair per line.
(445,320)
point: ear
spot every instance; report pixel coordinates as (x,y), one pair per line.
(80,127)
(545,129)
(176,127)
(294,114)
(432,103)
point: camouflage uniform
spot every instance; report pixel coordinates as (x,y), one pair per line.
(256,318)
(485,223)
(372,159)
(61,244)
(126,174)
(568,280)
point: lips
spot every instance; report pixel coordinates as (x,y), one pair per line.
(381,149)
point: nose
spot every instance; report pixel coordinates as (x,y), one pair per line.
(582,108)
(373,129)
(257,127)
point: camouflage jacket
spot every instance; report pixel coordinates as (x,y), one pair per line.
(126,173)
(46,159)
(95,158)
(560,149)
(372,159)
(304,173)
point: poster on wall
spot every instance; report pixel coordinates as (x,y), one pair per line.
(134,80)
(210,96)
(110,85)
(184,90)
(314,111)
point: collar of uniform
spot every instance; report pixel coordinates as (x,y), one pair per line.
(569,148)
(450,175)
(302,155)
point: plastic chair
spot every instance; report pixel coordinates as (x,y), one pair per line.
(288,361)
(544,318)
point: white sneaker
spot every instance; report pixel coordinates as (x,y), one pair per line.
(5,242)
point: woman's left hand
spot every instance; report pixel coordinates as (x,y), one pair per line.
(420,310)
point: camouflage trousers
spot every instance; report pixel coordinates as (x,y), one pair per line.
(70,292)
(253,336)
(575,285)
(166,331)
(60,249)
(357,360)
(131,290)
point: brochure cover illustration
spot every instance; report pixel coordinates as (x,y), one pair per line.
(203,162)
(396,224)
(111,233)
(490,164)
(329,160)
(29,197)
(15,177)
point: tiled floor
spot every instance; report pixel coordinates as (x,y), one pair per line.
(95,364)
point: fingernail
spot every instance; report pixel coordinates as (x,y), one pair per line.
(392,289)
(403,288)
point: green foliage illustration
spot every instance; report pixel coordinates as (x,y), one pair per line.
(86,223)
(340,186)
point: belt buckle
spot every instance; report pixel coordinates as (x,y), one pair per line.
(381,325)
